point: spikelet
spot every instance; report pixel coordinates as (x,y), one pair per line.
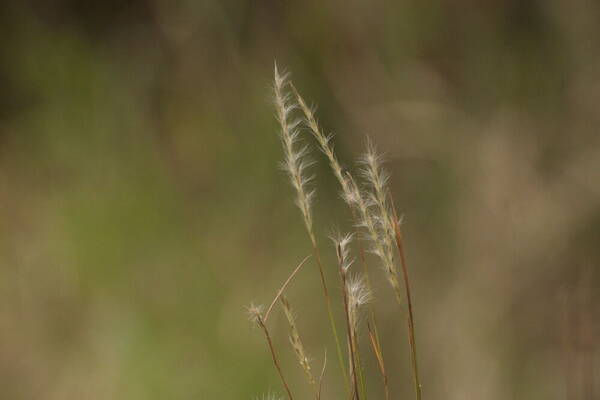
(358,295)
(350,192)
(380,243)
(323,140)
(297,345)
(376,179)
(342,248)
(295,157)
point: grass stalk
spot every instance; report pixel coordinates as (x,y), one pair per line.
(285,284)
(322,375)
(263,326)
(411,321)
(332,323)
(380,363)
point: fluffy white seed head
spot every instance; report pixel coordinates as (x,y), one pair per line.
(376,179)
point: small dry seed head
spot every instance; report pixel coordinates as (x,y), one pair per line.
(254,313)
(296,343)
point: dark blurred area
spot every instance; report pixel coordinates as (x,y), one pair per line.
(142,206)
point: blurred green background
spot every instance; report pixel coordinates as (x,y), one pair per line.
(142,206)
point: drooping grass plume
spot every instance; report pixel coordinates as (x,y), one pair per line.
(295,164)
(298,346)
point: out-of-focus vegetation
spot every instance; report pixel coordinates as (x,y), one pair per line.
(141,204)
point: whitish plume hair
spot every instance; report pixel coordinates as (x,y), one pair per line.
(358,295)
(342,248)
(295,156)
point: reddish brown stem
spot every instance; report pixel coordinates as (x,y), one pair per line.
(261,323)
(411,323)
(380,363)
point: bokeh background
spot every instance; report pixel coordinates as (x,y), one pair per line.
(142,207)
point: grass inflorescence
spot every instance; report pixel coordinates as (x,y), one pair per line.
(367,195)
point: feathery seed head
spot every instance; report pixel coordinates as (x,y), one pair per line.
(372,171)
(295,161)
(358,292)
